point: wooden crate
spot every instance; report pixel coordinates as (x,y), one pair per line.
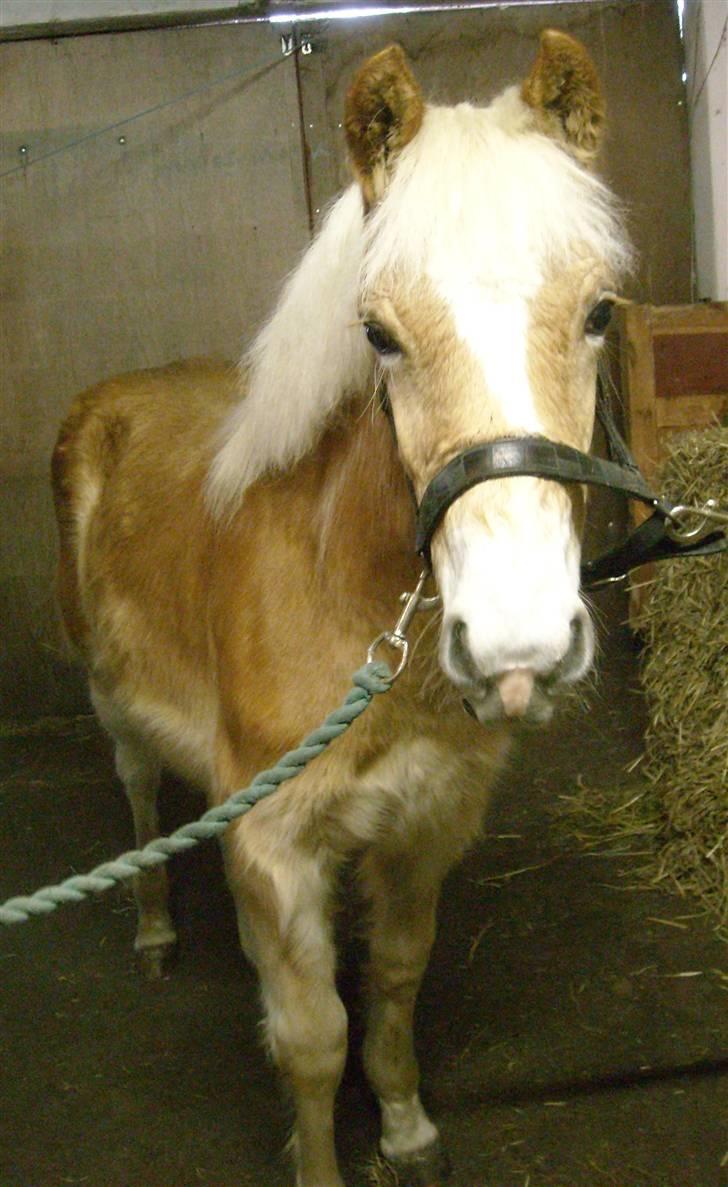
(674,363)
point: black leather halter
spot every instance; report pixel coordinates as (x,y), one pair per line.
(538,457)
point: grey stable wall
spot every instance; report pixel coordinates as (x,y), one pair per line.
(169,236)
(163,238)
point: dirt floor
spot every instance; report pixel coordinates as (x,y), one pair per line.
(573,1031)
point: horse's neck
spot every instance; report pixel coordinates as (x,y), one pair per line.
(365,515)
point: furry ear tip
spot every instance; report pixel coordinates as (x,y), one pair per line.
(390,61)
(392,52)
(383,111)
(554,37)
(556,43)
(564,91)
(559,48)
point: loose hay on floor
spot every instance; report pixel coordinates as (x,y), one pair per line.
(82,726)
(676,818)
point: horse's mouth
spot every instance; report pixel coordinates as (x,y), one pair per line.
(525,690)
(488,703)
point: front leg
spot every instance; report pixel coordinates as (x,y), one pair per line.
(282,900)
(402,890)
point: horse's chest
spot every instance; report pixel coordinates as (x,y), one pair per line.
(422,790)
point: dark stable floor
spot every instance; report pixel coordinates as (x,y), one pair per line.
(569,1035)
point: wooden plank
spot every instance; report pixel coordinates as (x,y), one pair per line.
(675,378)
(690,364)
(639,383)
(691,412)
(690,319)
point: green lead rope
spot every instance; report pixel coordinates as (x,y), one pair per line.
(368,681)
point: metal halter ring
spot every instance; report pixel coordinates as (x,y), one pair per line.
(392,639)
(708,515)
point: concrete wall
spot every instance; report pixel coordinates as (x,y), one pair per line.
(119,255)
(706,61)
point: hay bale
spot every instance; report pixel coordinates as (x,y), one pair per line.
(685,678)
(668,813)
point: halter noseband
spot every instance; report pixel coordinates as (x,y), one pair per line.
(660,537)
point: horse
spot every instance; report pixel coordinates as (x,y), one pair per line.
(233,537)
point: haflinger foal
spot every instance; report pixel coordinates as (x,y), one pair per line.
(233,539)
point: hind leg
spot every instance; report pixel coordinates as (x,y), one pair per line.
(139,769)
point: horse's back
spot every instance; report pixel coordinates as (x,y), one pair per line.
(146,413)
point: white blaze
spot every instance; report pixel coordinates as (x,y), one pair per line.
(494,327)
(508,566)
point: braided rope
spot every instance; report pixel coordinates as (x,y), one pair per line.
(373,678)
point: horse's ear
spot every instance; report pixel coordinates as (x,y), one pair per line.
(564,90)
(384,109)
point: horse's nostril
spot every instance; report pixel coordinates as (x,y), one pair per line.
(574,658)
(460,657)
(577,631)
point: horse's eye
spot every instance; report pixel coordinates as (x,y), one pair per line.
(382,342)
(599,318)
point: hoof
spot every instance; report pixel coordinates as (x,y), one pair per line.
(427,1168)
(155,963)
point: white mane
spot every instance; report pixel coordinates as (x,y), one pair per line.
(310,356)
(478,196)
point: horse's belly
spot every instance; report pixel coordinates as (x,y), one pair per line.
(184,739)
(164,703)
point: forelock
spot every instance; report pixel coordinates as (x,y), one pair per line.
(480,193)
